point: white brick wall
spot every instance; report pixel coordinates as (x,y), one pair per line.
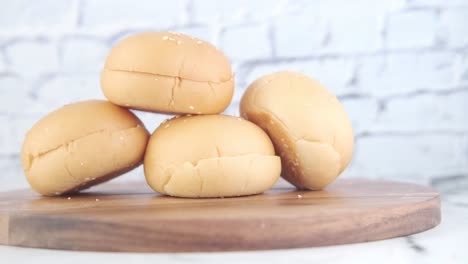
(11,176)
(425,112)
(32,58)
(335,73)
(2,63)
(362,111)
(243,43)
(411,29)
(410,157)
(453,23)
(23,16)
(400,67)
(82,54)
(237,12)
(104,15)
(299,34)
(406,72)
(12,133)
(64,89)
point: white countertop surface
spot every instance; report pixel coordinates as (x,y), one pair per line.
(443,244)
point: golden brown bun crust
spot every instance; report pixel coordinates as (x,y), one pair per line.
(81,144)
(168,72)
(308,126)
(210,156)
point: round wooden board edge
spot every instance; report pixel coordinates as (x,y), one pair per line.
(432,206)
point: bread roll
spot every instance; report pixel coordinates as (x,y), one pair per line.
(210,156)
(168,72)
(80,145)
(308,126)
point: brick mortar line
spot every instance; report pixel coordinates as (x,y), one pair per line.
(312,56)
(415,133)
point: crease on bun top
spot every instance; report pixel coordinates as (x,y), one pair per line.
(220,156)
(60,128)
(170,54)
(170,174)
(31,156)
(172,134)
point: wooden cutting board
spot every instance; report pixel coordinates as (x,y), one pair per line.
(133,218)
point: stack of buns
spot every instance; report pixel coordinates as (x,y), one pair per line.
(199,152)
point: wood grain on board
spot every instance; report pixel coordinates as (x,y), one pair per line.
(132,218)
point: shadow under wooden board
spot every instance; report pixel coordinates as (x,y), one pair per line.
(132,218)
